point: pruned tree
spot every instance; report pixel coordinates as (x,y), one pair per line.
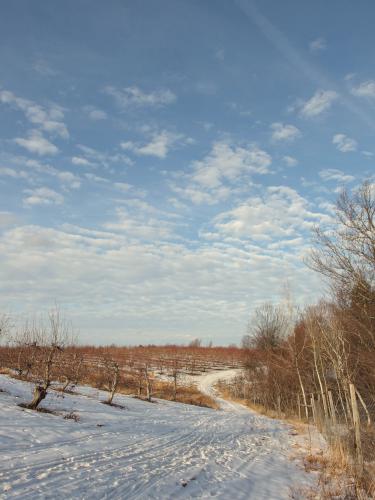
(149,380)
(112,374)
(45,340)
(139,377)
(71,369)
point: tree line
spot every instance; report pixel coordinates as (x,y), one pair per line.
(318,363)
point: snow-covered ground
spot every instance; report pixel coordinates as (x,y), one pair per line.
(163,450)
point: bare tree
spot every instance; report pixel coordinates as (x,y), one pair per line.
(268,327)
(45,341)
(195,343)
(71,369)
(345,254)
(149,381)
(112,374)
(247,342)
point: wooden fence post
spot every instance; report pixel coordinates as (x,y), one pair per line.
(364,407)
(313,408)
(357,426)
(332,407)
(320,416)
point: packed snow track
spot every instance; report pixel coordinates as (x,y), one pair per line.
(162,451)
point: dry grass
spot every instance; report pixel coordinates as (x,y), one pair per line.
(224,391)
(5,371)
(338,479)
(188,394)
(185,394)
(72,416)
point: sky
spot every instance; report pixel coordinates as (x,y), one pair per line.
(162,164)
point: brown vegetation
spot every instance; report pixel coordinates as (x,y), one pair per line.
(319,365)
(44,353)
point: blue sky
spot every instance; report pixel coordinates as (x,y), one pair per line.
(162,163)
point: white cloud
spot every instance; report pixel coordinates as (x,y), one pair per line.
(333,174)
(42,196)
(69,179)
(344,143)
(11,172)
(36,172)
(283,132)
(321,101)
(290,161)
(123,186)
(95,157)
(96,178)
(365,89)
(226,170)
(368,154)
(36,143)
(317,45)
(49,120)
(146,286)
(198,196)
(95,113)
(280,212)
(229,162)
(136,225)
(134,96)
(129,188)
(160,144)
(78,160)
(43,68)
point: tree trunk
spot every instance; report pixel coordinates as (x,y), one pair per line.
(113,388)
(148,385)
(40,393)
(65,386)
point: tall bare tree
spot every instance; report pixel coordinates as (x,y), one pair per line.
(345,253)
(268,326)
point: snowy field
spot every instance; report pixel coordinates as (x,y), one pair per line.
(163,450)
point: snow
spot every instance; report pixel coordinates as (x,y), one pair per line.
(160,450)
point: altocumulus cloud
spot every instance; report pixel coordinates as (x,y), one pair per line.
(321,101)
(36,143)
